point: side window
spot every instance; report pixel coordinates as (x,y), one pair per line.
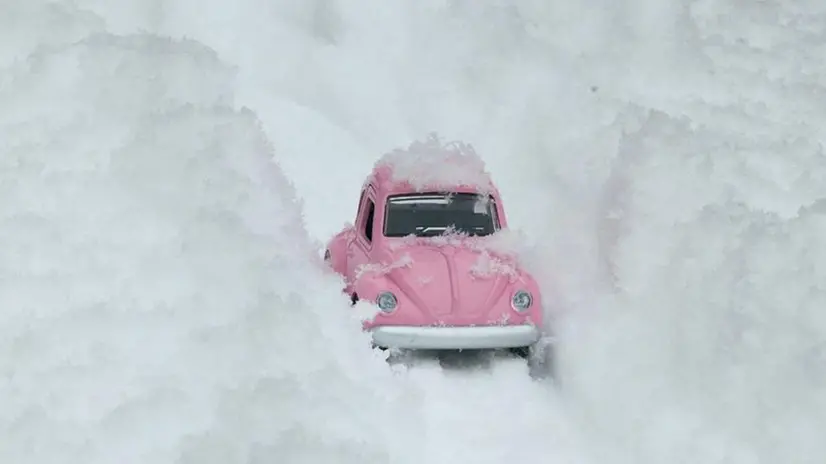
(494,211)
(361,201)
(368,224)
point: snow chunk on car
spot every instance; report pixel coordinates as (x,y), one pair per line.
(433,164)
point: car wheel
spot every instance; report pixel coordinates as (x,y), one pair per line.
(522,351)
(542,361)
(379,347)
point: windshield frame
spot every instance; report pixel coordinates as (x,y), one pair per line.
(493,208)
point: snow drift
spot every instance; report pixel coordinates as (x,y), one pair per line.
(667,156)
(161,301)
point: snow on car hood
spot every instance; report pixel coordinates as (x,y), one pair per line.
(451,275)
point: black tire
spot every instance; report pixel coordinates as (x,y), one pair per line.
(354,298)
(542,363)
(522,351)
(540,359)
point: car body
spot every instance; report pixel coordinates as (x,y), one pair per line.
(422,250)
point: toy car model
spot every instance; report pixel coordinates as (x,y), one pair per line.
(421,251)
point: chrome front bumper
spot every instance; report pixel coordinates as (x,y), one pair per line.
(455,338)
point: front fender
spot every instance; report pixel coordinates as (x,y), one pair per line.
(336,252)
(368,287)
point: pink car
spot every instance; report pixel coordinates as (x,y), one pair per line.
(423,251)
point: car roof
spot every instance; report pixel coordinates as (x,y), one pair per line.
(431,165)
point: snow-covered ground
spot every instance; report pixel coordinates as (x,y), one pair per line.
(162,295)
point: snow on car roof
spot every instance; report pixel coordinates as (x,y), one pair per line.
(431,164)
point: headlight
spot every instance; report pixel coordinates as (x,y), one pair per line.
(521,300)
(386,302)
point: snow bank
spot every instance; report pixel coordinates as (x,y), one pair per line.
(702,343)
(715,318)
(557,98)
(695,123)
(161,301)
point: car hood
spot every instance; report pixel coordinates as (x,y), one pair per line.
(453,283)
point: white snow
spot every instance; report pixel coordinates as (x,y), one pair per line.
(489,265)
(162,292)
(379,269)
(433,164)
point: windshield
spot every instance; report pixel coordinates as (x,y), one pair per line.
(430,214)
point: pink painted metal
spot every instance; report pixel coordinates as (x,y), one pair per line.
(446,280)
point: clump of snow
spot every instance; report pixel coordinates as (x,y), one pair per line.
(482,205)
(505,242)
(513,243)
(365,311)
(507,252)
(488,265)
(500,253)
(379,269)
(431,164)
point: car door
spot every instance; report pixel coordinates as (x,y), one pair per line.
(358,250)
